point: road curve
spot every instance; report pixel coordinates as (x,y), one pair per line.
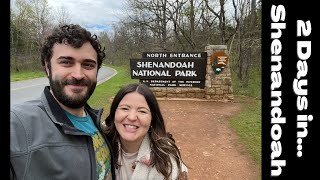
(21,91)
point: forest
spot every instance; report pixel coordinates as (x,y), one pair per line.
(149,26)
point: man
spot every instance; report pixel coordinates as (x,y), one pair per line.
(58,136)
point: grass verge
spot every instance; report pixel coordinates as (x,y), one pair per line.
(247,124)
(24,75)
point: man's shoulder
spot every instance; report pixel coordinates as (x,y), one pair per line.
(28,117)
(27,105)
(26,109)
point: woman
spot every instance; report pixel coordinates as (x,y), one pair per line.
(142,148)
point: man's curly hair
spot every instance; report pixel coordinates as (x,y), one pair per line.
(73,35)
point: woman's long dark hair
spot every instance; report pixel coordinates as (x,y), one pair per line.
(162,143)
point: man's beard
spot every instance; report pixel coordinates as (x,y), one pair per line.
(75,101)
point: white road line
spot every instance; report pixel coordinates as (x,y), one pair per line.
(27,87)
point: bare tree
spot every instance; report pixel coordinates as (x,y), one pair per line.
(183,16)
(42,19)
(220,14)
(245,17)
(62,15)
(151,14)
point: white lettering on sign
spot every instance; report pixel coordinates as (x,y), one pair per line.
(156,55)
(185,55)
(185,73)
(165,64)
(150,73)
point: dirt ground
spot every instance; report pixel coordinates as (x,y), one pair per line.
(209,147)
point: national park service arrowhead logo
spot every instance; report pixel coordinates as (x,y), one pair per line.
(219,61)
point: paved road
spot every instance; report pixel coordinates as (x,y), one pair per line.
(21,91)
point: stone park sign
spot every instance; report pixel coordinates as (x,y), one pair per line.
(200,75)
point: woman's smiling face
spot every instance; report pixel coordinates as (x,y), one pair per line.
(132,120)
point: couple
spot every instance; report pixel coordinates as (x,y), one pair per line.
(59,136)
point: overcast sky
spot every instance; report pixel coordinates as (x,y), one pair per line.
(92,14)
